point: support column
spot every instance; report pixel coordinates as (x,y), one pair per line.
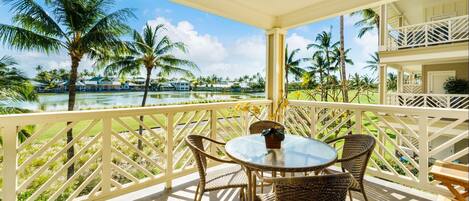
(383,30)
(383,77)
(400,80)
(275,70)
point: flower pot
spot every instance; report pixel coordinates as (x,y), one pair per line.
(272,142)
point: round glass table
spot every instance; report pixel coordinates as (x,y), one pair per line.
(298,154)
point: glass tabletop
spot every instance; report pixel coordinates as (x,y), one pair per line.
(297,153)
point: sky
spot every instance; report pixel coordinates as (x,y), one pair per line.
(217,45)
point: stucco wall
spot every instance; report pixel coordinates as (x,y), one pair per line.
(462,71)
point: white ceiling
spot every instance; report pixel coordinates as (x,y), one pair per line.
(267,14)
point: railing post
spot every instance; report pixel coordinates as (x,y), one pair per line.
(423,150)
(448,101)
(450,26)
(358,121)
(10,162)
(426,34)
(169,150)
(314,117)
(213,131)
(106,155)
(245,120)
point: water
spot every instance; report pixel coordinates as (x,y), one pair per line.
(58,102)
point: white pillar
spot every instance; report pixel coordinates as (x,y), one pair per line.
(400,80)
(383,30)
(383,76)
(275,70)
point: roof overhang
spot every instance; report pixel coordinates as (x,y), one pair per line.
(268,14)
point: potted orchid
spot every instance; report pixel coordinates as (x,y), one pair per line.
(273,137)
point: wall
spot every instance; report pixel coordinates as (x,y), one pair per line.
(450,8)
(462,71)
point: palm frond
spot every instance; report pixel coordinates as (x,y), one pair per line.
(23,39)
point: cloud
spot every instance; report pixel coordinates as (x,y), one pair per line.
(350,20)
(245,56)
(367,44)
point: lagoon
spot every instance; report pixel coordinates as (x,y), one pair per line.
(58,102)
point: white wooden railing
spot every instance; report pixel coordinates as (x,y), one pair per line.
(412,88)
(107,159)
(394,128)
(455,101)
(429,33)
(109,163)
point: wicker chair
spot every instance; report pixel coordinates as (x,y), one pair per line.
(356,153)
(232,177)
(331,187)
(258,126)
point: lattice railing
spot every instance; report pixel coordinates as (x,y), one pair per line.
(408,139)
(412,88)
(455,101)
(430,33)
(115,151)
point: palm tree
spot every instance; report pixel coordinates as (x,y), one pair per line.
(15,87)
(369,21)
(319,66)
(325,46)
(343,73)
(373,62)
(392,81)
(292,66)
(81,28)
(151,51)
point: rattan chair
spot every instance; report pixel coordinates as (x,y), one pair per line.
(356,153)
(332,187)
(258,126)
(232,177)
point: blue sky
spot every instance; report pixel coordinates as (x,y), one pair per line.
(218,45)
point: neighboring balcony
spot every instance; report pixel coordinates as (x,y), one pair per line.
(450,30)
(453,101)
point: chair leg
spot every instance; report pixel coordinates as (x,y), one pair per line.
(241,194)
(350,195)
(197,192)
(364,194)
(201,194)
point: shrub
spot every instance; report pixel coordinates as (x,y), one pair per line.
(456,86)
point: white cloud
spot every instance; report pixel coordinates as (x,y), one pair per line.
(245,56)
(367,44)
(350,20)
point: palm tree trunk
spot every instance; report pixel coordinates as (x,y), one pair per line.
(144,100)
(343,72)
(286,81)
(71,106)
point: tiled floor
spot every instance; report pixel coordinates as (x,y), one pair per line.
(184,189)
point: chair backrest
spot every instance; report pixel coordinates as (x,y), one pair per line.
(317,188)
(196,144)
(259,126)
(359,147)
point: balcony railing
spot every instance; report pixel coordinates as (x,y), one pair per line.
(412,88)
(111,157)
(430,33)
(455,101)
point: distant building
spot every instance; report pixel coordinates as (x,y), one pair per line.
(181,85)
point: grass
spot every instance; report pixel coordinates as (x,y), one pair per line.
(363,99)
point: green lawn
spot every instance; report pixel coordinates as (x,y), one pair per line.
(302,95)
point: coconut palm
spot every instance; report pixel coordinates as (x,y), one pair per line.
(392,81)
(150,51)
(81,28)
(369,21)
(318,65)
(14,86)
(292,66)
(373,62)
(324,45)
